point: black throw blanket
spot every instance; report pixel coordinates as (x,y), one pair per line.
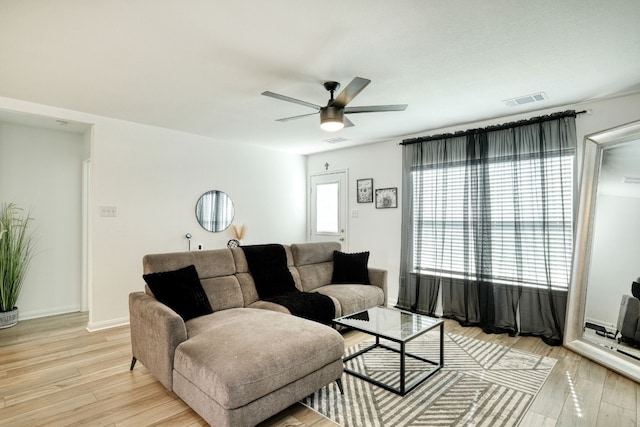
(274,283)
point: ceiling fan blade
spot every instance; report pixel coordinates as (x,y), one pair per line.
(350,92)
(286,119)
(375,108)
(347,123)
(289,99)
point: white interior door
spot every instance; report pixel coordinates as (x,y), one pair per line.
(328,208)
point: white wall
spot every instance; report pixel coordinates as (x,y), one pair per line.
(374,230)
(615,257)
(154,177)
(40,171)
(378,230)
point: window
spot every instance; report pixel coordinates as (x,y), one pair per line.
(449,206)
(327,208)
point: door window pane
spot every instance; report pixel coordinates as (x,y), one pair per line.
(327,208)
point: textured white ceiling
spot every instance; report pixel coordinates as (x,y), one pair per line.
(200,65)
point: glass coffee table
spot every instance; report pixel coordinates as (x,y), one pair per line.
(400,327)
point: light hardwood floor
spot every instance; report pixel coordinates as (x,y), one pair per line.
(55,373)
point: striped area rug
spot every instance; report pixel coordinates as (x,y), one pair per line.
(480,384)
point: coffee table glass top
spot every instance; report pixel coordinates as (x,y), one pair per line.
(389,323)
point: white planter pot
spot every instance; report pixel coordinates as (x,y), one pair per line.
(9,318)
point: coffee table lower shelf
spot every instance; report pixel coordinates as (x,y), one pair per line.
(404,387)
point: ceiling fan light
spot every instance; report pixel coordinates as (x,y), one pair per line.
(331,119)
(331,125)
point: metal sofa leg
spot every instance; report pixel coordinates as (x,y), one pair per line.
(133,363)
(339,382)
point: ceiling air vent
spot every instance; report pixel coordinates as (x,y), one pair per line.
(334,140)
(631,180)
(527,99)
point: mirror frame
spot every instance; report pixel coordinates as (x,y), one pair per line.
(575,317)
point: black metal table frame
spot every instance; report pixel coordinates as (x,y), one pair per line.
(404,388)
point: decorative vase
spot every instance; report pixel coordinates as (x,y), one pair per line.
(9,318)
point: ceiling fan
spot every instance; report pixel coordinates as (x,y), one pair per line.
(332,115)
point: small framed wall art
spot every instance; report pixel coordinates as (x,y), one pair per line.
(387,198)
(365,190)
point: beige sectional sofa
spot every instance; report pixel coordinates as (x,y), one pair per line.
(249,359)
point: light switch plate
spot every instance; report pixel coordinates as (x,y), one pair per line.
(108,211)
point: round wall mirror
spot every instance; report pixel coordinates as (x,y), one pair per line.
(215,211)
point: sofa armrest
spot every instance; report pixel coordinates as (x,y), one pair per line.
(156,331)
(378,277)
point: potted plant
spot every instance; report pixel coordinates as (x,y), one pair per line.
(15,255)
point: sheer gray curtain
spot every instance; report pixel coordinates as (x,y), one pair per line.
(488,221)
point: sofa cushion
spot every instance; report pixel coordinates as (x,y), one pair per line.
(354,298)
(223,265)
(256,352)
(267,305)
(181,291)
(224,292)
(350,268)
(216,269)
(313,276)
(215,320)
(313,253)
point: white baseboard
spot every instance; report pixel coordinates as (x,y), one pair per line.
(107,324)
(34,314)
(91,326)
(600,322)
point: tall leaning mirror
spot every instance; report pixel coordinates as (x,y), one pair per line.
(603,316)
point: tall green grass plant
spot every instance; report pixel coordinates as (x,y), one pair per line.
(16,251)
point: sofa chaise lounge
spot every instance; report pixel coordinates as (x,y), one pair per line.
(249,359)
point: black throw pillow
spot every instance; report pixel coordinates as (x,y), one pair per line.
(181,291)
(635,288)
(350,268)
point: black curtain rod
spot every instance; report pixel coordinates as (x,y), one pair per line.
(533,120)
